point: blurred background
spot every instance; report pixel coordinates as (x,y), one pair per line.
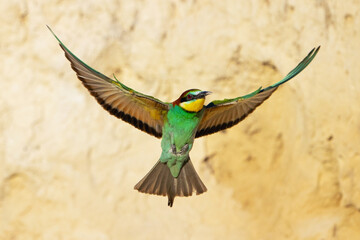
(291,170)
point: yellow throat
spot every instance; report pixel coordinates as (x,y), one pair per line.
(194,105)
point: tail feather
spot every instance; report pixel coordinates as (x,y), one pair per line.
(159,181)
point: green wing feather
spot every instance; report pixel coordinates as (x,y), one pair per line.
(142,111)
(301,66)
(222,114)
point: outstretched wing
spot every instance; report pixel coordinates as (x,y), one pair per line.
(226,113)
(142,111)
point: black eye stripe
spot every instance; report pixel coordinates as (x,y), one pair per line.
(191,97)
(183,99)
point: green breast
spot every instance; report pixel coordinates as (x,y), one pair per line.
(182,125)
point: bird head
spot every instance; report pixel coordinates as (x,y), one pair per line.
(192,100)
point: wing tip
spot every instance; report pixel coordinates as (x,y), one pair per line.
(52,32)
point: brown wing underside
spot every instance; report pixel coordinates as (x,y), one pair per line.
(141,111)
(226,113)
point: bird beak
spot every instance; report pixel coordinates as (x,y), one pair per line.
(203,94)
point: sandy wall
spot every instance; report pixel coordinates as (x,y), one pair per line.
(291,170)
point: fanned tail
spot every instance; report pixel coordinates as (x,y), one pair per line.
(159,181)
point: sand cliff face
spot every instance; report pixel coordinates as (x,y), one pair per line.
(291,170)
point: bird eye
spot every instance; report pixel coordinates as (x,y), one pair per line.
(189,97)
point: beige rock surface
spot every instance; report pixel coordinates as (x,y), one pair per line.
(289,171)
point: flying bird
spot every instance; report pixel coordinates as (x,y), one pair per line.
(178,123)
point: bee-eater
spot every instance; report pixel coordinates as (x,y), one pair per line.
(178,123)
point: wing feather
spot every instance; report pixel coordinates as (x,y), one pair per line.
(142,111)
(223,114)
